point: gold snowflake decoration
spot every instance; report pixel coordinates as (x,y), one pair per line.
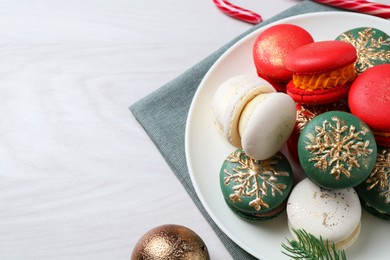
(306,113)
(337,146)
(252,178)
(368,48)
(380,176)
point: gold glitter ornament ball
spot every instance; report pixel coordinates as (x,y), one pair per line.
(170,242)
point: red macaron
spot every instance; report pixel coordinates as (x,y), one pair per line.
(369,99)
(271,48)
(322,71)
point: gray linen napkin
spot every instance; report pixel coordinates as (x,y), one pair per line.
(163,115)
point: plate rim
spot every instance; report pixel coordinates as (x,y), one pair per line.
(201,85)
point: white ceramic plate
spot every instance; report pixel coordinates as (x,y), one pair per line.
(206,149)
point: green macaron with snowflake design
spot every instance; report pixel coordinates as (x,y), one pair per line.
(337,150)
(256,189)
(372,46)
(375,190)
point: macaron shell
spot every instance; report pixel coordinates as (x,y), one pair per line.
(337,150)
(247,112)
(369,97)
(267,125)
(230,98)
(272,46)
(335,215)
(372,46)
(320,56)
(224,94)
(237,103)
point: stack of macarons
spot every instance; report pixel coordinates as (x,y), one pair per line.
(256,120)
(349,74)
(316,74)
(337,152)
(329,101)
(345,148)
(322,74)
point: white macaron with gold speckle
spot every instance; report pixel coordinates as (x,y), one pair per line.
(335,215)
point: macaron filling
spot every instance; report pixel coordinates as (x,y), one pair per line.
(258,215)
(342,244)
(325,80)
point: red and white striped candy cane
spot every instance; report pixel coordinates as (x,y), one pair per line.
(238,12)
(380,10)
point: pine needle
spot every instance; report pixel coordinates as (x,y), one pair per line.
(308,247)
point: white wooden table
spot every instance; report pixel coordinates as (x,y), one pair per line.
(77,172)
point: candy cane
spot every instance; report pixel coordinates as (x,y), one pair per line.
(238,12)
(362,6)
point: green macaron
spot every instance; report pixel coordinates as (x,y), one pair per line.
(337,150)
(375,190)
(256,189)
(372,46)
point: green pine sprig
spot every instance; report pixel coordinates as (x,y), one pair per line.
(308,247)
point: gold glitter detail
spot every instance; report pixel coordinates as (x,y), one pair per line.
(380,176)
(326,80)
(338,147)
(269,51)
(304,116)
(253,178)
(325,219)
(306,113)
(368,48)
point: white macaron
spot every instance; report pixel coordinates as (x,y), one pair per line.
(230,99)
(335,215)
(266,123)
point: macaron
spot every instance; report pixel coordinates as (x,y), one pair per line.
(256,189)
(375,190)
(304,114)
(266,123)
(372,46)
(230,99)
(322,71)
(337,150)
(272,46)
(333,215)
(369,99)
(253,116)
